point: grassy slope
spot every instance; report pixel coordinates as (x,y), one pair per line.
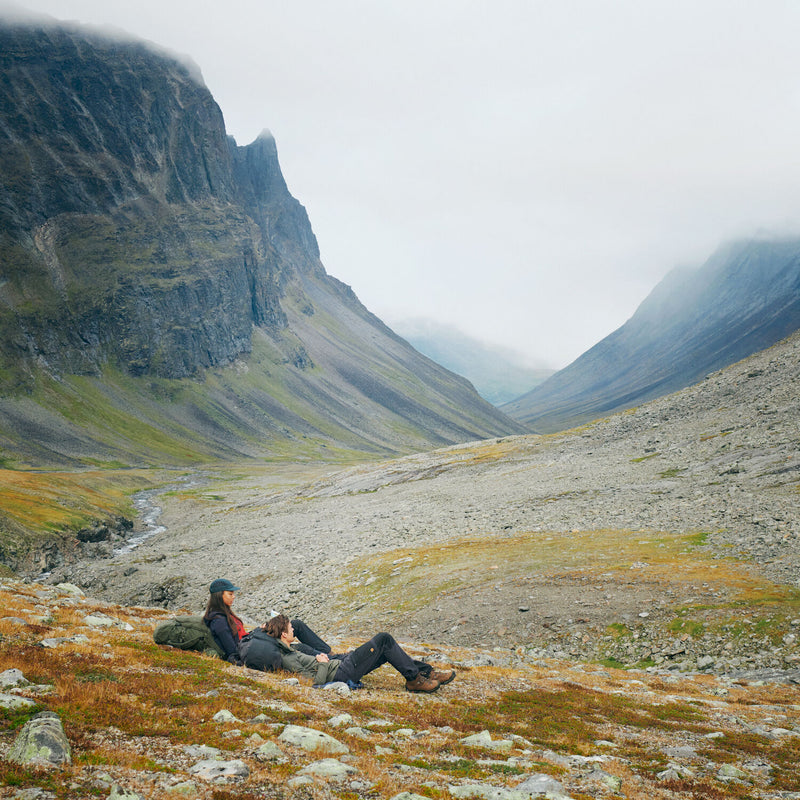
(129,708)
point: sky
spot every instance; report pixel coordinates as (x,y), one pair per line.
(523,170)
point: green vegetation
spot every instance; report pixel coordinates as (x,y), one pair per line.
(693,628)
(644,458)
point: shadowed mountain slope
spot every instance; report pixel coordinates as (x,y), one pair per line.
(162,298)
(744,299)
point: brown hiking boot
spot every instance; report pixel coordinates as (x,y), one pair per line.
(443,677)
(422,684)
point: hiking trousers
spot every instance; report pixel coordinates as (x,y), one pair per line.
(380,649)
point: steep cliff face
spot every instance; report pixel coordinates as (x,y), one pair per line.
(136,237)
(124,234)
(744,299)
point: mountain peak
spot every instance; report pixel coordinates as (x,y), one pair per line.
(137,239)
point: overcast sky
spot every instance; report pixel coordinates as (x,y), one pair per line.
(526,171)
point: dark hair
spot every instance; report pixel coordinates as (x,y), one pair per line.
(216,605)
(276,626)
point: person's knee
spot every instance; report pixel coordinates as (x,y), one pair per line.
(384,639)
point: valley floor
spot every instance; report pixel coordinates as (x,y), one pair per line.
(666,535)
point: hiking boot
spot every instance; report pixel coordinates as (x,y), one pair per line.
(443,677)
(422,684)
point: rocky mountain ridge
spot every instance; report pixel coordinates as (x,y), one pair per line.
(743,299)
(141,246)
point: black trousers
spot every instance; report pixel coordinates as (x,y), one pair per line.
(305,635)
(380,649)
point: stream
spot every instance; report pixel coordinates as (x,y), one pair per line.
(149,511)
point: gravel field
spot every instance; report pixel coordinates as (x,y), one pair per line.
(720,458)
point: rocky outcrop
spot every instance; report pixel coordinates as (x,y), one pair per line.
(138,240)
(744,299)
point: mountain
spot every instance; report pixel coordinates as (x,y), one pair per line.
(743,299)
(162,298)
(498,373)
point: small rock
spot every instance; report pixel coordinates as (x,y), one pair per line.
(13,677)
(225,716)
(214,770)
(269,751)
(41,741)
(14,701)
(329,768)
(118,793)
(311,740)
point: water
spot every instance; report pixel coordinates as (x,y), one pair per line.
(149,512)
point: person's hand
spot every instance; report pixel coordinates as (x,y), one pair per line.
(322,658)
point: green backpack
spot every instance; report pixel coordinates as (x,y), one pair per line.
(188,633)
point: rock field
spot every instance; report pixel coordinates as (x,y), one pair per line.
(721,459)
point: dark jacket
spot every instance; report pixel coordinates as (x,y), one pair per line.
(223,635)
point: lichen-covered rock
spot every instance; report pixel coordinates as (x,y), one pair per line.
(118,793)
(41,742)
(329,769)
(13,677)
(13,701)
(216,770)
(312,740)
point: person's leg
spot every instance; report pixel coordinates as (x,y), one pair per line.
(308,637)
(380,649)
(424,667)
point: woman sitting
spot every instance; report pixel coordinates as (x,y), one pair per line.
(380,649)
(228,629)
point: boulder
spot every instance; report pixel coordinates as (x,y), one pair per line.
(41,742)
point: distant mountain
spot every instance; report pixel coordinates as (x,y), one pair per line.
(499,374)
(696,321)
(162,297)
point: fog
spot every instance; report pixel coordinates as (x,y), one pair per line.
(524,171)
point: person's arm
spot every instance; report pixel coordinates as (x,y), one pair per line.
(223,635)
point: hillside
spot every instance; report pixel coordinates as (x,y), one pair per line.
(130,720)
(744,299)
(162,298)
